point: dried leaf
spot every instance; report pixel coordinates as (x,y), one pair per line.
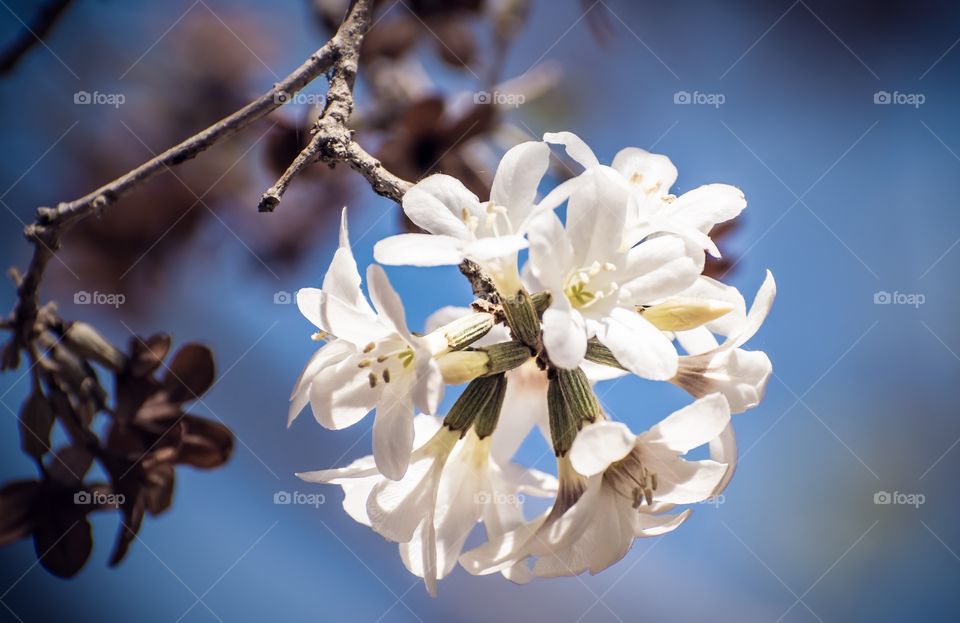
(190,374)
(159,491)
(130,486)
(62,536)
(147,355)
(36,422)
(16,510)
(206,444)
(68,465)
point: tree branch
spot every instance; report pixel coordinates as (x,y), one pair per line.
(332,139)
(332,142)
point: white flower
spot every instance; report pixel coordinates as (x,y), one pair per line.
(598,282)
(461,227)
(652,209)
(740,375)
(450,486)
(374,362)
(616,487)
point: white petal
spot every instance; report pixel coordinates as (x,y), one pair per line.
(762,303)
(338,317)
(419,555)
(599,445)
(564,334)
(356,492)
(638,345)
(693,425)
(437,204)
(598,372)
(428,388)
(397,507)
(696,341)
(327,355)
(361,468)
(553,200)
(575,147)
(655,525)
(657,269)
(494,247)
(419,250)
(704,207)
(309,302)
(460,501)
(723,449)
(524,406)
(387,301)
(597,216)
(685,482)
(740,375)
(517,178)
(393,432)
(503,551)
(343,279)
(424,428)
(605,538)
(654,173)
(551,253)
(341,395)
(357,480)
(530,481)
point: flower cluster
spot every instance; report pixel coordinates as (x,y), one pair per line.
(616,289)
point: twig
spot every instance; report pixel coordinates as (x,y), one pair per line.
(339,54)
(332,139)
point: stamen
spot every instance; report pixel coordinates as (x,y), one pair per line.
(369,347)
(373,380)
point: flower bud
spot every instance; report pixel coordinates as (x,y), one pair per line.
(598,353)
(464,331)
(464,365)
(521,317)
(478,405)
(570,403)
(683,313)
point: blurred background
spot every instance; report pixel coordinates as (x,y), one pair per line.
(837,119)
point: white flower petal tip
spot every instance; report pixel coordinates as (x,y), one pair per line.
(575,147)
(598,445)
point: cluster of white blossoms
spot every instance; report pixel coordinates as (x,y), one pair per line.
(616,289)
